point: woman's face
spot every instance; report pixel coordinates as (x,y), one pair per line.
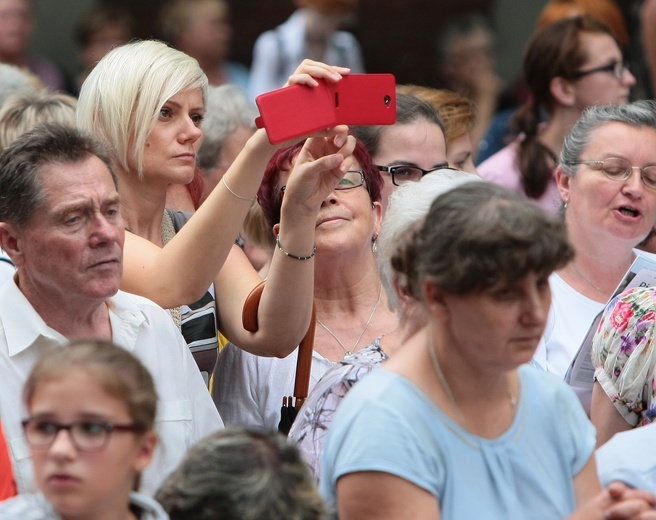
(601,88)
(171,148)
(601,208)
(498,329)
(347,220)
(83,483)
(419,143)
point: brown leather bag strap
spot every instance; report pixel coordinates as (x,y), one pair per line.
(249,312)
(304,361)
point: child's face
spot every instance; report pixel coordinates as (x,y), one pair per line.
(79,482)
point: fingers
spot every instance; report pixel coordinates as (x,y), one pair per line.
(309,70)
(627,509)
(620,491)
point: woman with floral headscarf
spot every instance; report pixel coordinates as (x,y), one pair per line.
(624,394)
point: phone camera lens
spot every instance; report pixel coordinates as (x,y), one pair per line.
(387,101)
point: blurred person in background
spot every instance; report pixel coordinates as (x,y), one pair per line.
(16,28)
(201,29)
(242,474)
(98,32)
(312,31)
(568,66)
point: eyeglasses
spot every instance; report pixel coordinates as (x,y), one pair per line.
(85,435)
(402,173)
(351,179)
(619,169)
(616,68)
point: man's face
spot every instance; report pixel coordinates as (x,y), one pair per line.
(70,253)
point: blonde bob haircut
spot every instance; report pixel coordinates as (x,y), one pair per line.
(121,98)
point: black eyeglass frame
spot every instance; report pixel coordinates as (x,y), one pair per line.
(616,68)
(626,174)
(106,428)
(392,170)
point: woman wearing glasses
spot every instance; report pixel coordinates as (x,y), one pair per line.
(568,66)
(350,303)
(90,412)
(410,148)
(607,182)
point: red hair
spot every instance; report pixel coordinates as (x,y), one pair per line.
(269,195)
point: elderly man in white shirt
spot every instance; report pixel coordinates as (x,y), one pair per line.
(60,225)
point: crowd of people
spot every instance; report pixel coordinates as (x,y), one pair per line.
(176,291)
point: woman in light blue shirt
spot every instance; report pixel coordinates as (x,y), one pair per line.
(458,426)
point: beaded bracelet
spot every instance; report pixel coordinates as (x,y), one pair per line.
(287,253)
(253,199)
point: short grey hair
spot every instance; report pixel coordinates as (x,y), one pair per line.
(21,188)
(15,81)
(228,109)
(637,114)
(408,206)
(242,474)
(121,98)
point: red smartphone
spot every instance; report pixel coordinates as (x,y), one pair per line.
(298,110)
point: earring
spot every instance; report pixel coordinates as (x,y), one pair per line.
(374,244)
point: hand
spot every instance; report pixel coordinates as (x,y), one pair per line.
(308,70)
(618,502)
(320,164)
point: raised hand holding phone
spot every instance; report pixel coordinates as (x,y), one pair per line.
(301,109)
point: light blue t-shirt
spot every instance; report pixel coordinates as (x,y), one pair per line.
(387,424)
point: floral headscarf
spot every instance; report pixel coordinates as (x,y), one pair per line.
(623,353)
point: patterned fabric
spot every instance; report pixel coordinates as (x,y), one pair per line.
(197,321)
(623,354)
(315,417)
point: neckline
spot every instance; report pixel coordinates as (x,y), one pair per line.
(512,434)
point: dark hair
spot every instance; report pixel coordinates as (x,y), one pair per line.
(242,474)
(553,51)
(409,108)
(270,197)
(21,193)
(478,235)
(97,19)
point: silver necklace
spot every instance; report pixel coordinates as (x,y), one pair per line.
(590,282)
(440,375)
(348,352)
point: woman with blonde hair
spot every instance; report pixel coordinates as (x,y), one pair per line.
(148,101)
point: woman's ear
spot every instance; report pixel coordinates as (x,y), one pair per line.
(377,208)
(276,230)
(563,181)
(563,91)
(436,301)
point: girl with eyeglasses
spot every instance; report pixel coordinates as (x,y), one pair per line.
(568,66)
(91,408)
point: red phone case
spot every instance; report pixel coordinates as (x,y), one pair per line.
(298,110)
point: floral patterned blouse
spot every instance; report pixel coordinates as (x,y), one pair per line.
(315,417)
(623,354)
